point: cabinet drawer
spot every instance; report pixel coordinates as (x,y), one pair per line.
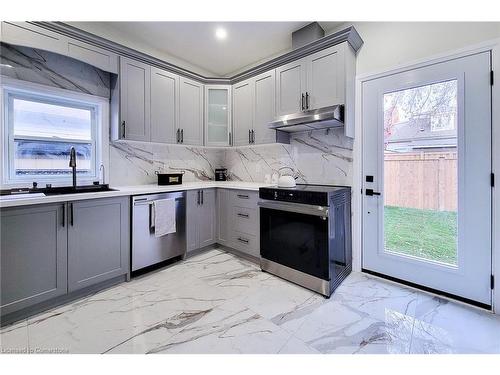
(246,243)
(245,198)
(245,220)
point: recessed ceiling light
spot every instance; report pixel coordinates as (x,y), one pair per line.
(221,33)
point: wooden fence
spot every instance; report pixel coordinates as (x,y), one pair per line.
(424,180)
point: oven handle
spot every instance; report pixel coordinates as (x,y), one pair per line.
(305,209)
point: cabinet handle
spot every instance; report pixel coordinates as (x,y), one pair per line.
(249,136)
(182,135)
(178,135)
(246,216)
(242,196)
(71,214)
(123,126)
(243,240)
(198,201)
(253,136)
(202,196)
(230,138)
(307,100)
(302,102)
(64,216)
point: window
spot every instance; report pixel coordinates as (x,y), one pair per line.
(41,127)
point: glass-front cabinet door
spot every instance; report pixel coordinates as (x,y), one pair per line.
(218,115)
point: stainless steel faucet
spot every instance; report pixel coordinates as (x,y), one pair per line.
(72,164)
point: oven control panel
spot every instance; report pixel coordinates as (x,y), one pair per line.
(296,196)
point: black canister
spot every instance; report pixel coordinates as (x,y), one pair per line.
(221,174)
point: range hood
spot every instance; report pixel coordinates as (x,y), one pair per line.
(322,118)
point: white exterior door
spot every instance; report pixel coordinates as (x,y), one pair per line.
(427,151)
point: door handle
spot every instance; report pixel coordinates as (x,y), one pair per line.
(370,192)
(71,214)
(307,100)
(123,126)
(302,102)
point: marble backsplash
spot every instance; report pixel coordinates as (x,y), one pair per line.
(135,163)
(320,157)
(316,157)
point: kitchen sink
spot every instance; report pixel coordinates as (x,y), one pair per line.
(60,190)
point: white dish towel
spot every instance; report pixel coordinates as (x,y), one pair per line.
(164,210)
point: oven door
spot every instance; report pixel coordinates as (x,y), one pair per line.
(296,236)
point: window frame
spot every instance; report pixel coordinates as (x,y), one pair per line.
(11,89)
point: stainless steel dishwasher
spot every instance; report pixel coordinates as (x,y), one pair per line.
(147,249)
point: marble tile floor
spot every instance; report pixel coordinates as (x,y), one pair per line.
(216,302)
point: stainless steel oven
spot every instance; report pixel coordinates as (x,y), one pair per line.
(305,235)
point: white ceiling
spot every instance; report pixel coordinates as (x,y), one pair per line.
(194,42)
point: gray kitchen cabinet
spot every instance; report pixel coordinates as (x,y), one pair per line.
(315,81)
(264,110)
(135,99)
(290,87)
(253,109)
(164,106)
(33,258)
(190,130)
(98,241)
(218,115)
(93,55)
(200,218)
(325,77)
(242,112)
(223,202)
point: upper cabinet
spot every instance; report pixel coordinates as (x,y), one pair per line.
(322,79)
(28,35)
(190,130)
(291,87)
(135,100)
(218,115)
(325,78)
(312,82)
(264,110)
(164,106)
(243,112)
(253,110)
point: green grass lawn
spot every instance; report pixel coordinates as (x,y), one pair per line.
(422,233)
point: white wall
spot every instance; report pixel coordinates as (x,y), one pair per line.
(388,44)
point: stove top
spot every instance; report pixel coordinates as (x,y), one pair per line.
(303,193)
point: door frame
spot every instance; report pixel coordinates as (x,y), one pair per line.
(494,47)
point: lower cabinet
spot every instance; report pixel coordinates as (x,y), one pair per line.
(33,258)
(98,241)
(200,218)
(50,250)
(238,220)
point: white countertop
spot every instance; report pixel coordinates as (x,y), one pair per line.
(131,190)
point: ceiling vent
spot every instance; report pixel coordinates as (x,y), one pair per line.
(307,34)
